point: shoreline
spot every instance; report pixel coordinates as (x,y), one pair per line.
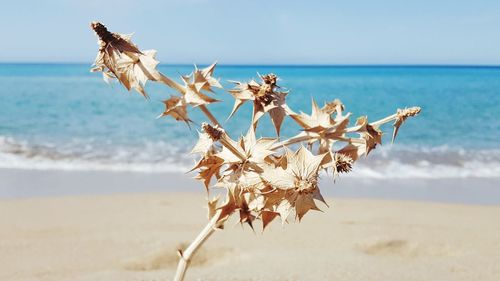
(20,183)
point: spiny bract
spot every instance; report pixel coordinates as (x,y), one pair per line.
(262,177)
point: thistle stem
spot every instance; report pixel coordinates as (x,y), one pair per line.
(231,148)
(401,114)
(172,84)
(188,254)
(384,120)
(298,138)
(307,136)
(351,140)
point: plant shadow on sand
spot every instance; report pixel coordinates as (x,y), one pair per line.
(168,258)
(404,248)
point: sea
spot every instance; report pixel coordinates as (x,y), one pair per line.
(62,117)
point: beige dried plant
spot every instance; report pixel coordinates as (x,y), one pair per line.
(262,178)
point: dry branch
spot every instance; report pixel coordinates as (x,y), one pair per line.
(263,179)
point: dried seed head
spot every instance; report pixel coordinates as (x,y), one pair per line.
(102,32)
(408,112)
(307,185)
(401,116)
(214,132)
(265,99)
(119,42)
(331,107)
(263,93)
(270,79)
(343,163)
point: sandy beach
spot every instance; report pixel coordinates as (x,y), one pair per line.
(134,236)
(363,135)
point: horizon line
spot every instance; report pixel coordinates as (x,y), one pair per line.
(282,65)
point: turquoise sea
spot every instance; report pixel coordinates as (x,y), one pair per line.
(60,116)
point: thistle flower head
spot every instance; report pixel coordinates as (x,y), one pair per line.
(114,41)
(119,58)
(401,116)
(103,32)
(343,163)
(333,106)
(214,132)
(299,181)
(269,79)
(300,174)
(265,97)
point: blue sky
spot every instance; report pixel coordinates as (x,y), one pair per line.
(260,32)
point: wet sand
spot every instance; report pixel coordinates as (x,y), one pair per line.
(18,183)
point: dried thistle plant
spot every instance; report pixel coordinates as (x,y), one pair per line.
(262,179)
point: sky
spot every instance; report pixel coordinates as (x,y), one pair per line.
(259,32)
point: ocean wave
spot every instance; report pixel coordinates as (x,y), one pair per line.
(86,155)
(156,157)
(429,162)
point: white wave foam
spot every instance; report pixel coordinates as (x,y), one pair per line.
(20,155)
(8,161)
(386,162)
(425,162)
(426,170)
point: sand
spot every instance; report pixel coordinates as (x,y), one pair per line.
(134,237)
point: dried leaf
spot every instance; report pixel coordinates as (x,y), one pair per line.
(371,135)
(176,108)
(284,208)
(208,166)
(318,121)
(204,145)
(304,203)
(207,74)
(212,206)
(250,152)
(267,217)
